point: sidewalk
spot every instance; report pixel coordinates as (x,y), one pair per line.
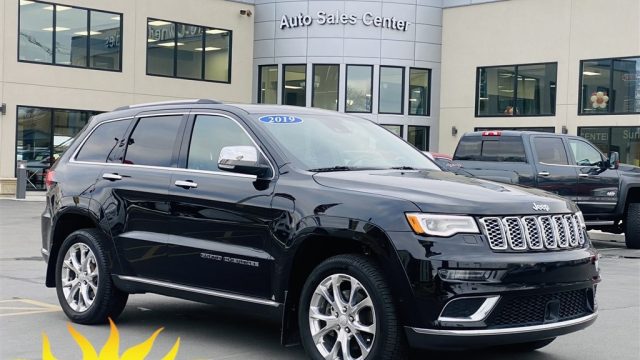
(30,196)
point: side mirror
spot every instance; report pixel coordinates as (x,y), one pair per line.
(242,160)
(614,160)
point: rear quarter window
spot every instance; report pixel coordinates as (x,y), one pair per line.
(498,149)
(104,141)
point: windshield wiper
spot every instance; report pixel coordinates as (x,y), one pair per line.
(333,168)
(403,168)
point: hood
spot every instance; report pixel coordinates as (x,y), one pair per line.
(444,192)
(626,169)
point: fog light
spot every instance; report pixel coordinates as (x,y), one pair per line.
(465,275)
(468,310)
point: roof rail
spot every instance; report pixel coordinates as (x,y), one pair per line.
(170,102)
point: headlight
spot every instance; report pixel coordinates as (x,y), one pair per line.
(582,224)
(441,225)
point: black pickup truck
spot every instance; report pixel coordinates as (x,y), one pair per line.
(607,192)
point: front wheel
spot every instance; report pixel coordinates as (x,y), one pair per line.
(347,312)
(83,279)
(632,226)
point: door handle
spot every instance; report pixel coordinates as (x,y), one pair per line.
(544,173)
(583,175)
(111,176)
(186,184)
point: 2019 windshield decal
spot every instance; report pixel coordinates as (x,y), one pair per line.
(280,119)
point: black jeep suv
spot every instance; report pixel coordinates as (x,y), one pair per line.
(359,242)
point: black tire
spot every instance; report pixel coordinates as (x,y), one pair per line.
(108,301)
(632,226)
(389,342)
(528,346)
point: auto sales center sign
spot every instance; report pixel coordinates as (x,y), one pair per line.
(324,18)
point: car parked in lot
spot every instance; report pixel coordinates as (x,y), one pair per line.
(607,193)
(358,242)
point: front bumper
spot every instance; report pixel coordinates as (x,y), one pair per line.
(464,339)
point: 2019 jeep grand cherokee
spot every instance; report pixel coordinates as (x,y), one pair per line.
(359,242)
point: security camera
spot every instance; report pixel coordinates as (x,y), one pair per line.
(246,12)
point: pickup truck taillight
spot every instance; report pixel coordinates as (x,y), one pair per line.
(49,178)
(491,133)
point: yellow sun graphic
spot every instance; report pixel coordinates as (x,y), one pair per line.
(110,351)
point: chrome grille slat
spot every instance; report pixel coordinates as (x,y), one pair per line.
(495,232)
(515,233)
(561,230)
(533,232)
(550,237)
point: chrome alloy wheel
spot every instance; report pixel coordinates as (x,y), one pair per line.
(79,277)
(342,318)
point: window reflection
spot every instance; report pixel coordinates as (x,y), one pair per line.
(160,47)
(391,90)
(326,79)
(71,36)
(189,51)
(268,92)
(217,54)
(36,32)
(294,90)
(105,41)
(419,91)
(359,88)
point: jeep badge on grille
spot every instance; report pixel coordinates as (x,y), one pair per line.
(541,207)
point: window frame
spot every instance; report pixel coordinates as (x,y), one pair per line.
(283,81)
(534,149)
(515,91)
(402,89)
(580,82)
(346,82)
(88,43)
(430,72)
(313,88)
(175,52)
(259,97)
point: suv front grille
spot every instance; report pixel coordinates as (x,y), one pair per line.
(540,309)
(533,232)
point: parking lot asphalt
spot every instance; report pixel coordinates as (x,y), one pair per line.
(28,309)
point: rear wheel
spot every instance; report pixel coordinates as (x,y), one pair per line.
(632,226)
(83,279)
(347,312)
(528,346)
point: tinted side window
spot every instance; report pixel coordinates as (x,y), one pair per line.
(210,134)
(509,149)
(584,154)
(550,150)
(469,148)
(153,140)
(105,140)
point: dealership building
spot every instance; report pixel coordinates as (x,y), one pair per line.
(427,70)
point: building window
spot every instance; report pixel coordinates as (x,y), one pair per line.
(188,51)
(395,129)
(418,136)
(326,79)
(359,88)
(294,85)
(391,90)
(83,38)
(547,129)
(516,90)
(610,86)
(419,92)
(623,139)
(42,135)
(268,82)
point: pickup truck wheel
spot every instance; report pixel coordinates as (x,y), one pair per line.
(83,279)
(632,226)
(347,312)
(528,346)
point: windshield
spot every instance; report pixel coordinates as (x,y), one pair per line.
(341,142)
